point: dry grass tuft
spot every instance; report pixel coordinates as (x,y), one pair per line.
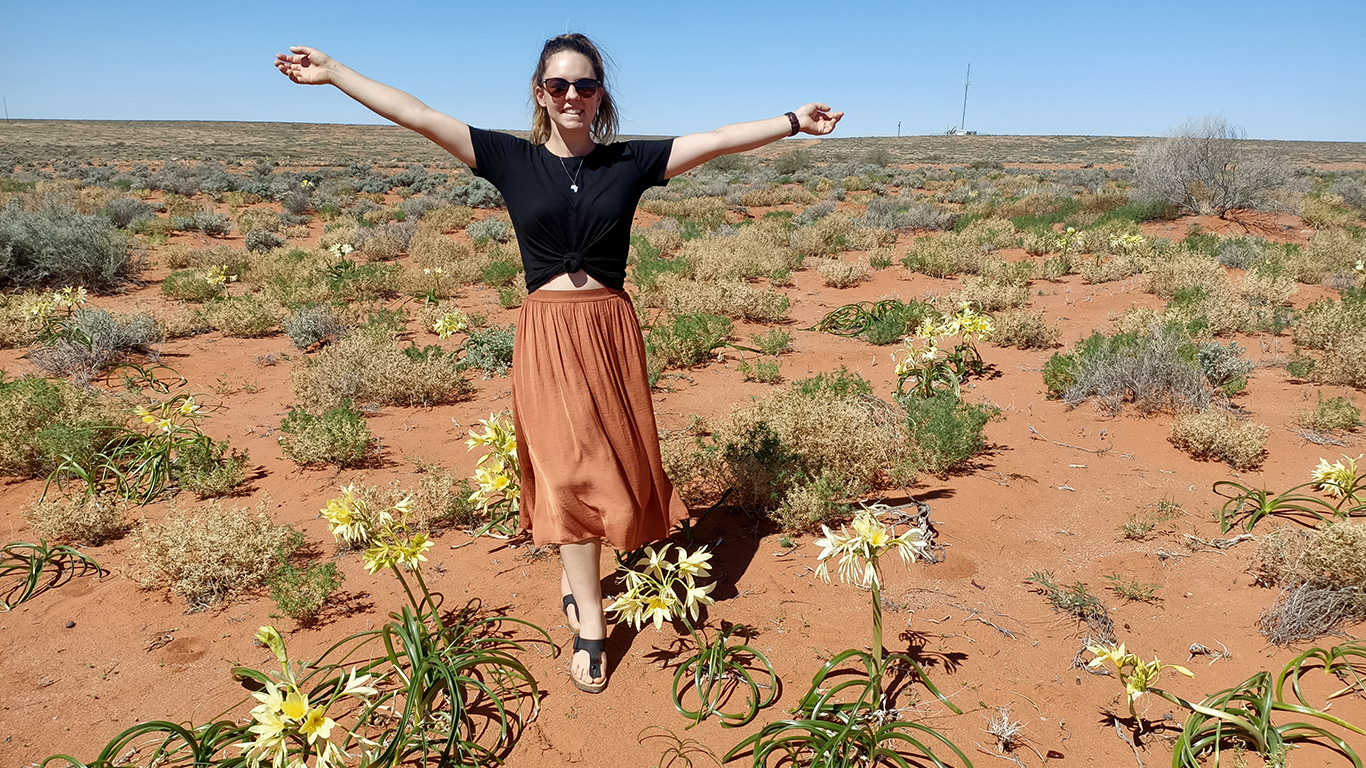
(213,554)
(841,274)
(1217,434)
(755,251)
(371,369)
(90,520)
(730,298)
(1022,329)
(1322,574)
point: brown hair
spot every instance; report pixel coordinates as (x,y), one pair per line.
(604,126)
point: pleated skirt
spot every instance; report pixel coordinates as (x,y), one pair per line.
(586,436)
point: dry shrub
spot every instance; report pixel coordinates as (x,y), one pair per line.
(707,208)
(1107,270)
(440,500)
(371,369)
(1267,290)
(430,248)
(1185,269)
(179,206)
(447,218)
(296,231)
(1324,211)
(1137,320)
(17,325)
(841,274)
(821,238)
(428,316)
(257,219)
(1331,251)
(213,554)
(1022,329)
(664,240)
(235,261)
(778,195)
(243,317)
(851,438)
(756,250)
(90,519)
(1322,574)
(180,321)
(731,298)
(382,246)
(1344,363)
(1216,434)
(989,296)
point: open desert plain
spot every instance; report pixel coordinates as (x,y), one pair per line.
(1093,421)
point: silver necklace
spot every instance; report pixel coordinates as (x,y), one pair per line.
(573,180)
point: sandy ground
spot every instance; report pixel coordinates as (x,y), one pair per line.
(86,660)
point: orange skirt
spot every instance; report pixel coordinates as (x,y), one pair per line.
(586,436)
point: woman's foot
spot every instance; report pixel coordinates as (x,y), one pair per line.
(568,605)
(588,668)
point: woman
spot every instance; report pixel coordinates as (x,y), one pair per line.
(586,437)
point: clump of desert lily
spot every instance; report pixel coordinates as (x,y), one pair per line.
(497,475)
(1241,715)
(1339,479)
(292,725)
(868,729)
(1135,675)
(387,531)
(659,589)
(49,313)
(926,369)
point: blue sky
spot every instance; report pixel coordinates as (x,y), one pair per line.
(1280,70)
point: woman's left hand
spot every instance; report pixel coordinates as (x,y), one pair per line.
(817,119)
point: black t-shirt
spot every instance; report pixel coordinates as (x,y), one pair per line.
(561,230)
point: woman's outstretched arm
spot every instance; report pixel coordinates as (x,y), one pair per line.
(309,66)
(695,149)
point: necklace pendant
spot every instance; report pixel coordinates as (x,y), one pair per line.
(574,188)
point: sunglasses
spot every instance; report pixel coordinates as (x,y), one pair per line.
(558,86)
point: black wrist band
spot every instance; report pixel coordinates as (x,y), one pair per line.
(796,126)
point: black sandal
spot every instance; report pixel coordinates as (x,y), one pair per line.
(595,649)
(565,602)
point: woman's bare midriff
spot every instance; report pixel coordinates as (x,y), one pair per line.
(571,281)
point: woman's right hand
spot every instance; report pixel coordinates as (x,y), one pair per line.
(304,65)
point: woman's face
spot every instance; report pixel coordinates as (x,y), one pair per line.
(572,111)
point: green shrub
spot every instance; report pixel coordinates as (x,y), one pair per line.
(190,285)
(900,319)
(946,431)
(46,420)
(1153,372)
(773,342)
(840,384)
(489,350)
(499,272)
(684,341)
(339,436)
(1333,413)
(822,501)
(302,593)
(211,469)
(762,371)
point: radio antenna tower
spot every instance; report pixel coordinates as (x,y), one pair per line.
(963,122)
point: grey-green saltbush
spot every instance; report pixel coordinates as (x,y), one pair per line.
(58,246)
(313,325)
